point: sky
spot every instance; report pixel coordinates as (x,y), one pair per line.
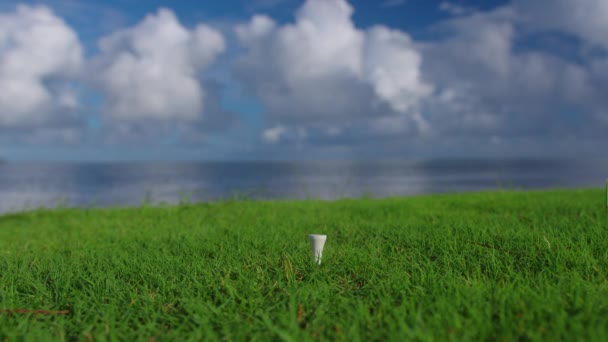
(303,80)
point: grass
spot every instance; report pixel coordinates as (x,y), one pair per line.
(482,266)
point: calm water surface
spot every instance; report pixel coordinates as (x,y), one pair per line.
(32,185)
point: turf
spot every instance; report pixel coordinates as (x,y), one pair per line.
(480,266)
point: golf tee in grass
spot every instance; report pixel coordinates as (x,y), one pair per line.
(465,267)
(317,242)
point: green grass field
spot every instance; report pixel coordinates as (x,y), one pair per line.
(483,266)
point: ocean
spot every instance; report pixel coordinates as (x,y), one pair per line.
(30,185)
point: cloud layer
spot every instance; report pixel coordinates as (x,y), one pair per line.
(527,72)
(488,87)
(585,19)
(479,78)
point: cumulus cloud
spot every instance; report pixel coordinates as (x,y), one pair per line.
(323,69)
(479,78)
(392,66)
(39,54)
(152,70)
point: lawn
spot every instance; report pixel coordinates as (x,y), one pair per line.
(503,265)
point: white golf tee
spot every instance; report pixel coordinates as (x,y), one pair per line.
(316,245)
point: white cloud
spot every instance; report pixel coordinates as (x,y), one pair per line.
(392,66)
(152,70)
(38,52)
(323,69)
(272,135)
(259,27)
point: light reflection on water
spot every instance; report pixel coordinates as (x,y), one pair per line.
(32,185)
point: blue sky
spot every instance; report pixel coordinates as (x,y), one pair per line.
(315,79)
